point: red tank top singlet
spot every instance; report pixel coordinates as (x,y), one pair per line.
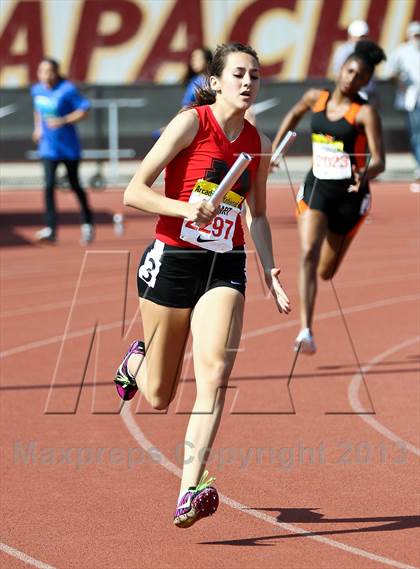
(209,157)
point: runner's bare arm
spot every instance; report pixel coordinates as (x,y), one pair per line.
(256,210)
(370,119)
(71,118)
(179,134)
(295,114)
(259,228)
(37,132)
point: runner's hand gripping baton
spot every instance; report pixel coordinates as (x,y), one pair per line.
(231,177)
(288,139)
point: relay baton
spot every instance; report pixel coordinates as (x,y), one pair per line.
(231,177)
(283,146)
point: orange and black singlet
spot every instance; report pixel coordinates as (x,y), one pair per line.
(336,146)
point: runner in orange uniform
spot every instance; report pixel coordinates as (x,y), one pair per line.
(335,197)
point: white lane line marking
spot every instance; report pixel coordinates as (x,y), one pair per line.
(24,557)
(45,288)
(59,338)
(324,287)
(59,305)
(354,400)
(333,314)
(250,334)
(151,449)
(249,298)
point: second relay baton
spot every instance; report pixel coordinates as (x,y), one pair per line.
(288,138)
(231,177)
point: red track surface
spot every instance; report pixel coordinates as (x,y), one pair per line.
(348,503)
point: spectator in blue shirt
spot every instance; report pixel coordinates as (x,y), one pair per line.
(196,75)
(195,78)
(57,107)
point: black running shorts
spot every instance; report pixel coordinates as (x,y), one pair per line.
(344,210)
(178,277)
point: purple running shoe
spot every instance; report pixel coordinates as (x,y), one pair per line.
(125,383)
(198,502)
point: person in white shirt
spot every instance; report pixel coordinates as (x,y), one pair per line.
(404,67)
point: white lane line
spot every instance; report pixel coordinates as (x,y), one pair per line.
(59,338)
(142,441)
(24,557)
(354,400)
(250,334)
(333,314)
(249,298)
(45,288)
(61,304)
(365,282)
(325,287)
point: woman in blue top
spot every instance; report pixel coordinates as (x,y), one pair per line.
(196,75)
(195,79)
(57,107)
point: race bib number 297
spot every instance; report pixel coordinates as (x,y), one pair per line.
(217,236)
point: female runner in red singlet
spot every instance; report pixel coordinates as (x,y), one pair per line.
(335,198)
(192,277)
